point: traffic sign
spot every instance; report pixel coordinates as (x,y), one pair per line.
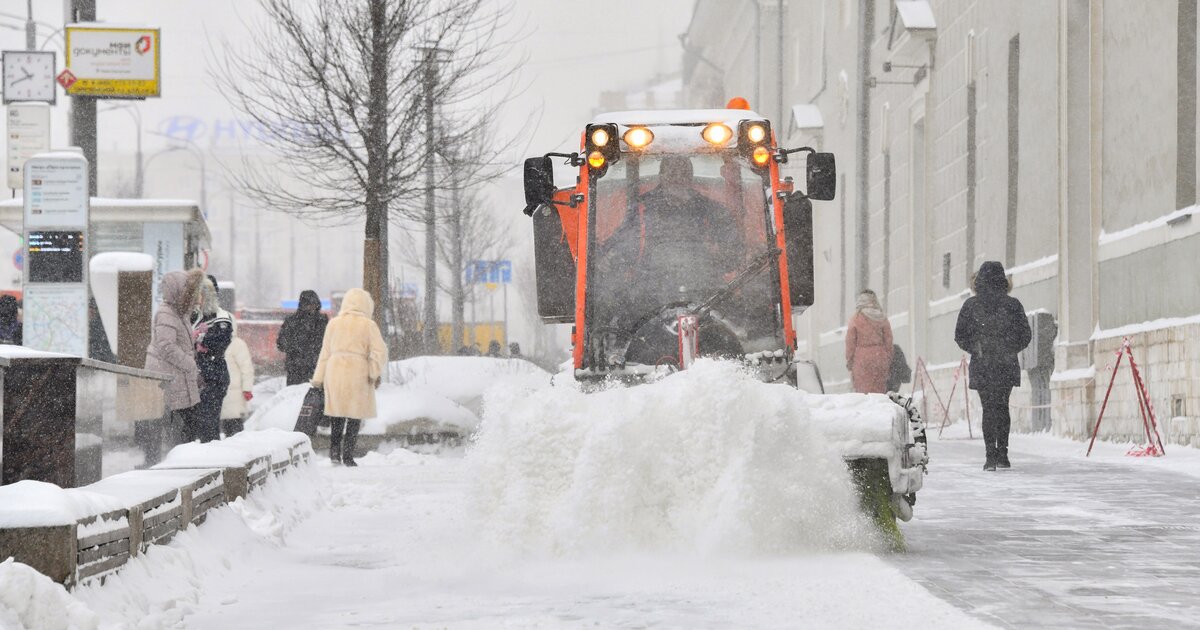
(19,259)
(489,272)
(66,79)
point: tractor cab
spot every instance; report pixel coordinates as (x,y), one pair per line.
(679,239)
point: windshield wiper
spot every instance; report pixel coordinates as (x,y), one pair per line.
(760,262)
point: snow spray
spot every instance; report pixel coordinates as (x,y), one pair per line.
(708,460)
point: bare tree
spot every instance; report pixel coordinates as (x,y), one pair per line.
(339,91)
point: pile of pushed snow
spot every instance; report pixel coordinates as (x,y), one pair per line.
(709,459)
(421,394)
(30,600)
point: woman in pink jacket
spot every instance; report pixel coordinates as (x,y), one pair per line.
(869,346)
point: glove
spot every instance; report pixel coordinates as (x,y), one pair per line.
(377,382)
(248,396)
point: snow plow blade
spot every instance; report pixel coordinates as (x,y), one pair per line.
(882,439)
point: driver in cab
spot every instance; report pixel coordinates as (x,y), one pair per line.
(678,235)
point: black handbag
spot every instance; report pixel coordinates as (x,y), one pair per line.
(312,412)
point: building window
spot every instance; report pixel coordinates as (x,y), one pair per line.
(946,270)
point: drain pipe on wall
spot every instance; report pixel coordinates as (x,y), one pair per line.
(866,28)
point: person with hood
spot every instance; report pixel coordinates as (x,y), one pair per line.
(212,330)
(993,329)
(869,346)
(241,385)
(171,349)
(10,323)
(300,338)
(349,368)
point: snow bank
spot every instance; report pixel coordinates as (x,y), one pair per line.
(164,586)
(400,409)
(709,460)
(32,601)
(464,380)
(420,394)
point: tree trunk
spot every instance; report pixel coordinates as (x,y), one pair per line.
(375,263)
(458,266)
(429,336)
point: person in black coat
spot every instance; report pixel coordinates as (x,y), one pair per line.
(992,327)
(300,338)
(212,330)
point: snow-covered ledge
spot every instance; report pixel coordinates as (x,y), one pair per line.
(74,535)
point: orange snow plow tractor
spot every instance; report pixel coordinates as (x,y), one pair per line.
(679,239)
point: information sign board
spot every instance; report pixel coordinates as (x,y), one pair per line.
(56,191)
(28,135)
(114,62)
(56,253)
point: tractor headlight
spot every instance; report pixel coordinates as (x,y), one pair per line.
(638,137)
(756,133)
(600,137)
(717,134)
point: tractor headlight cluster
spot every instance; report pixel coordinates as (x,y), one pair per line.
(599,148)
(754,142)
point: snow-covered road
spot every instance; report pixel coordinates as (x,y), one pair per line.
(394,549)
(1060,541)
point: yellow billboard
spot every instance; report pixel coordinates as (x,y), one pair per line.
(113,62)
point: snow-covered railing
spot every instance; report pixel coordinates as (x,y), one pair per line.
(76,535)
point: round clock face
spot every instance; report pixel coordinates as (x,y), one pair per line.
(29,76)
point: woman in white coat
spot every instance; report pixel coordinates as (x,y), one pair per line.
(353,357)
(241,385)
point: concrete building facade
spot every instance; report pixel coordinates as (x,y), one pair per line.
(1058,137)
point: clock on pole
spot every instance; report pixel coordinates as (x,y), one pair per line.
(29,76)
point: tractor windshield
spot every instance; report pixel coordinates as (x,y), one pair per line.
(674,230)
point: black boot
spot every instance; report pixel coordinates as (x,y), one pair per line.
(989,464)
(352,427)
(1002,458)
(336,427)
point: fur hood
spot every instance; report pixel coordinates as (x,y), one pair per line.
(358,302)
(179,290)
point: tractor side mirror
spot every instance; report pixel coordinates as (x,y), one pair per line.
(539,183)
(822,176)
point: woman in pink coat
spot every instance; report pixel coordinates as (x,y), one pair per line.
(869,346)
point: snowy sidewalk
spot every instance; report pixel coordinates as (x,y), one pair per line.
(395,549)
(1059,541)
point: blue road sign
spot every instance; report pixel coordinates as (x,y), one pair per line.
(489,271)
